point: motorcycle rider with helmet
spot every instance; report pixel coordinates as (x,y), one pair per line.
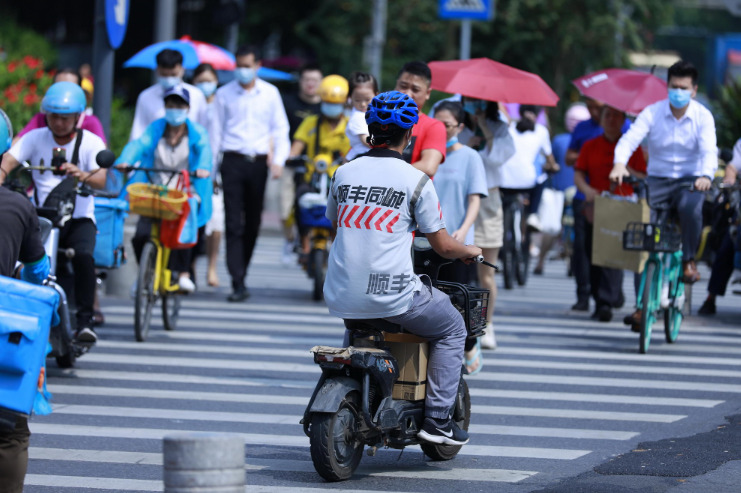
(63,103)
(322,134)
(376,201)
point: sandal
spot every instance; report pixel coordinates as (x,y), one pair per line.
(476,361)
(98,318)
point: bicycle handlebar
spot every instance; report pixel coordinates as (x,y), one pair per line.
(479,259)
(172,172)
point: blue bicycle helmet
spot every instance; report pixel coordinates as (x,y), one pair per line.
(393,108)
(64,98)
(6,132)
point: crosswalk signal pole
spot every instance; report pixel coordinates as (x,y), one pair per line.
(465,41)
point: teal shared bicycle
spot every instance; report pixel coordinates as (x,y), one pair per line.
(661,293)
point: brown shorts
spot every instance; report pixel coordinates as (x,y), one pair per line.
(489,225)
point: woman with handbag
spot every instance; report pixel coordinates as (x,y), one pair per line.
(487,131)
(174,142)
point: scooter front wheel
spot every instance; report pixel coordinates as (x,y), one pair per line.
(336,448)
(462,416)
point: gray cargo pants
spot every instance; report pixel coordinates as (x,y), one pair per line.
(433,317)
(674,194)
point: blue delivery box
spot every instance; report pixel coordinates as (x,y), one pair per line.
(25,318)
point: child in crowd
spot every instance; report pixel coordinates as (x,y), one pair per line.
(363,87)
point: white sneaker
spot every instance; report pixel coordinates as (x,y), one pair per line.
(186,284)
(488,341)
(288,256)
(533,221)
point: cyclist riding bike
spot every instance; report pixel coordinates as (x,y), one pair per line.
(322,134)
(174,142)
(63,104)
(682,159)
(376,201)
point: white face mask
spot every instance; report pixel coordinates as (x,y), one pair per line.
(245,75)
(168,82)
(207,88)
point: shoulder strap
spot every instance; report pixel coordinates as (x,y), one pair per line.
(76,152)
(316,137)
(417,192)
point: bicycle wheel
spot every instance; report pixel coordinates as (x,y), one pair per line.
(509,261)
(145,295)
(674,314)
(523,263)
(320,271)
(649,302)
(171,310)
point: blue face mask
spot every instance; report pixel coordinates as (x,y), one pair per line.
(175,116)
(474,106)
(168,82)
(207,88)
(244,75)
(332,110)
(679,98)
(452,141)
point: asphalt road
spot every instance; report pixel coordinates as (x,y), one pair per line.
(565,404)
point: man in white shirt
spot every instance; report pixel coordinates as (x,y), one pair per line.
(63,103)
(150,105)
(250,129)
(682,152)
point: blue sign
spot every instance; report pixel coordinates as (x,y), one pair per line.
(477,10)
(116,20)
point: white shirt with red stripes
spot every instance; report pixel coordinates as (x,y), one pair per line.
(377,200)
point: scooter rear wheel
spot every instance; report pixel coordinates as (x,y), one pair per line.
(462,416)
(336,448)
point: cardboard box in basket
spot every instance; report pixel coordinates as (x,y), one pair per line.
(411,353)
(611,217)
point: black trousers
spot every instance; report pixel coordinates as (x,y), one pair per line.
(14,441)
(243,181)
(722,267)
(606,283)
(77,275)
(580,260)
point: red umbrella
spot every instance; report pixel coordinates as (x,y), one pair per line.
(483,78)
(626,90)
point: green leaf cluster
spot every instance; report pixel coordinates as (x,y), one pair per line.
(728,114)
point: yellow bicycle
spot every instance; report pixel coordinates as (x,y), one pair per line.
(155,279)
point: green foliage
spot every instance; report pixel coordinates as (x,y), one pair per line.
(23,83)
(122,118)
(728,123)
(18,41)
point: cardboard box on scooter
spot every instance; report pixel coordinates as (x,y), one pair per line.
(411,353)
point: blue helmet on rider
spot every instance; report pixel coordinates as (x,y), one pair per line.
(6,132)
(392,108)
(64,98)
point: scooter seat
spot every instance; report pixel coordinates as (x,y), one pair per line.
(374,325)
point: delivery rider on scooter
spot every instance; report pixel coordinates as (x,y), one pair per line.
(376,201)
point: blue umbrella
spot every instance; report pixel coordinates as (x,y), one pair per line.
(194,53)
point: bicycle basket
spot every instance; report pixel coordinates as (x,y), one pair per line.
(156,201)
(651,237)
(471,302)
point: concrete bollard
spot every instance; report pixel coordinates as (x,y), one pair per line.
(203,463)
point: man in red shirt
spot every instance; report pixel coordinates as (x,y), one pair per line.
(592,177)
(427,149)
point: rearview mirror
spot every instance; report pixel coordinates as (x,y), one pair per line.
(105,158)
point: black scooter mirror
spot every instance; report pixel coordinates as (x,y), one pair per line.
(105,158)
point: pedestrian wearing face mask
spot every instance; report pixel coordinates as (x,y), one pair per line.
(250,129)
(174,142)
(149,104)
(322,134)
